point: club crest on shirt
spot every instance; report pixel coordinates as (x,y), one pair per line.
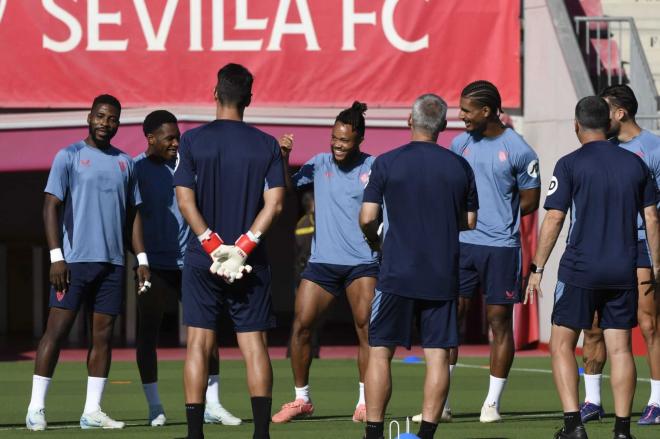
(533,169)
(466,152)
(122,165)
(502,156)
(554,184)
(86,162)
(640,153)
(364,178)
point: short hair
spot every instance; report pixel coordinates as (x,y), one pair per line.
(234,85)
(354,116)
(156,119)
(485,94)
(593,113)
(107,99)
(429,114)
(622,96)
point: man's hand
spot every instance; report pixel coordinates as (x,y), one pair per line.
(286,145)
(59,276)
(533,287)
(143,278)
(232,263)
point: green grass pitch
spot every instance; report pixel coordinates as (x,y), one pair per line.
(530,405)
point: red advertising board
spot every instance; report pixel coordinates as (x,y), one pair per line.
(61,53)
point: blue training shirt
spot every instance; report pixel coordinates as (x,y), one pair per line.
(427,190)
(228,163)
(95,186)
(338,198)
(503,166)
(647,146)
(165,231)
(606,188)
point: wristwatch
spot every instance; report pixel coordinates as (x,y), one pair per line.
(534,269)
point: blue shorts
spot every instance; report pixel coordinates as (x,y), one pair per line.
(335,278)
(99,284)
(496,269)
(643,255)
(393,316)
(248,300)
(575,307)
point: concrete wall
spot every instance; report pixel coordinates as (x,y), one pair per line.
(553,83)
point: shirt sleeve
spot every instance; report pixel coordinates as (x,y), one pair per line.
(375,189)
(134,196)
(472,198)
(650,190)
(305,175)
(58,179)
(560,190)
(275,171)
(184,172)
(526,167)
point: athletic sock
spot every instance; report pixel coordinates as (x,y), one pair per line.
(39,390)
(495,391)
(361,399)
(261,406)
(451,371)
(95,386)
(572,421)
(592,388)
(374,430)
(622,425)
(151,393)
(195,418)
(655,393)
(427,430)
(213,390)
(302,393)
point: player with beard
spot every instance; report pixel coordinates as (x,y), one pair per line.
(91,191)
(341,260)
(625,132)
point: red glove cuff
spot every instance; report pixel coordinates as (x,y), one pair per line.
(212,243)
(245,244)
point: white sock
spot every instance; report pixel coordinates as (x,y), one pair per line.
(361,399)
(655,393)
(151,392)
(213,390)
(495,391)
(451,371)
(592,388)
(39,390)
(95,386)
(302,393)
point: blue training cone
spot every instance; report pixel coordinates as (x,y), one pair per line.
(407,436)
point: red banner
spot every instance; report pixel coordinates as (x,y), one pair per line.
(61,53)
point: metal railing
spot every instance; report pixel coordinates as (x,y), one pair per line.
(624,61)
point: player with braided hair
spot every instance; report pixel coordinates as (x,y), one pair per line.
(506,170)
(341,259)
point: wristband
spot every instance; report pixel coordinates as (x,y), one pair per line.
(56,255)
(211,243)
(142,259)
(205,235)
(248,242)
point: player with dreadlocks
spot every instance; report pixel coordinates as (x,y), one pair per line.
(341,259)
(506,171)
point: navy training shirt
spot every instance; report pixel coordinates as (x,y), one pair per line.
(228,164)
(605,187)
(426,189)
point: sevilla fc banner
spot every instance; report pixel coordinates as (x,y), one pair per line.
(62,53)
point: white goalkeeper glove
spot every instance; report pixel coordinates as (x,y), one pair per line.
(233,259)
(214,246)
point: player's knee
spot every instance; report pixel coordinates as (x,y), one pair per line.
(301,330)
(648,325)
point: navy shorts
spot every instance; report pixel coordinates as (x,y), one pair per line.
(575,307)
(496,269)
(393,316)
(248,300)
(335,278)
(99,284)
(643,255)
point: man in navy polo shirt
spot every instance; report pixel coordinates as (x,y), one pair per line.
(91,191)
(229,183)
(605,187)
(430,195)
